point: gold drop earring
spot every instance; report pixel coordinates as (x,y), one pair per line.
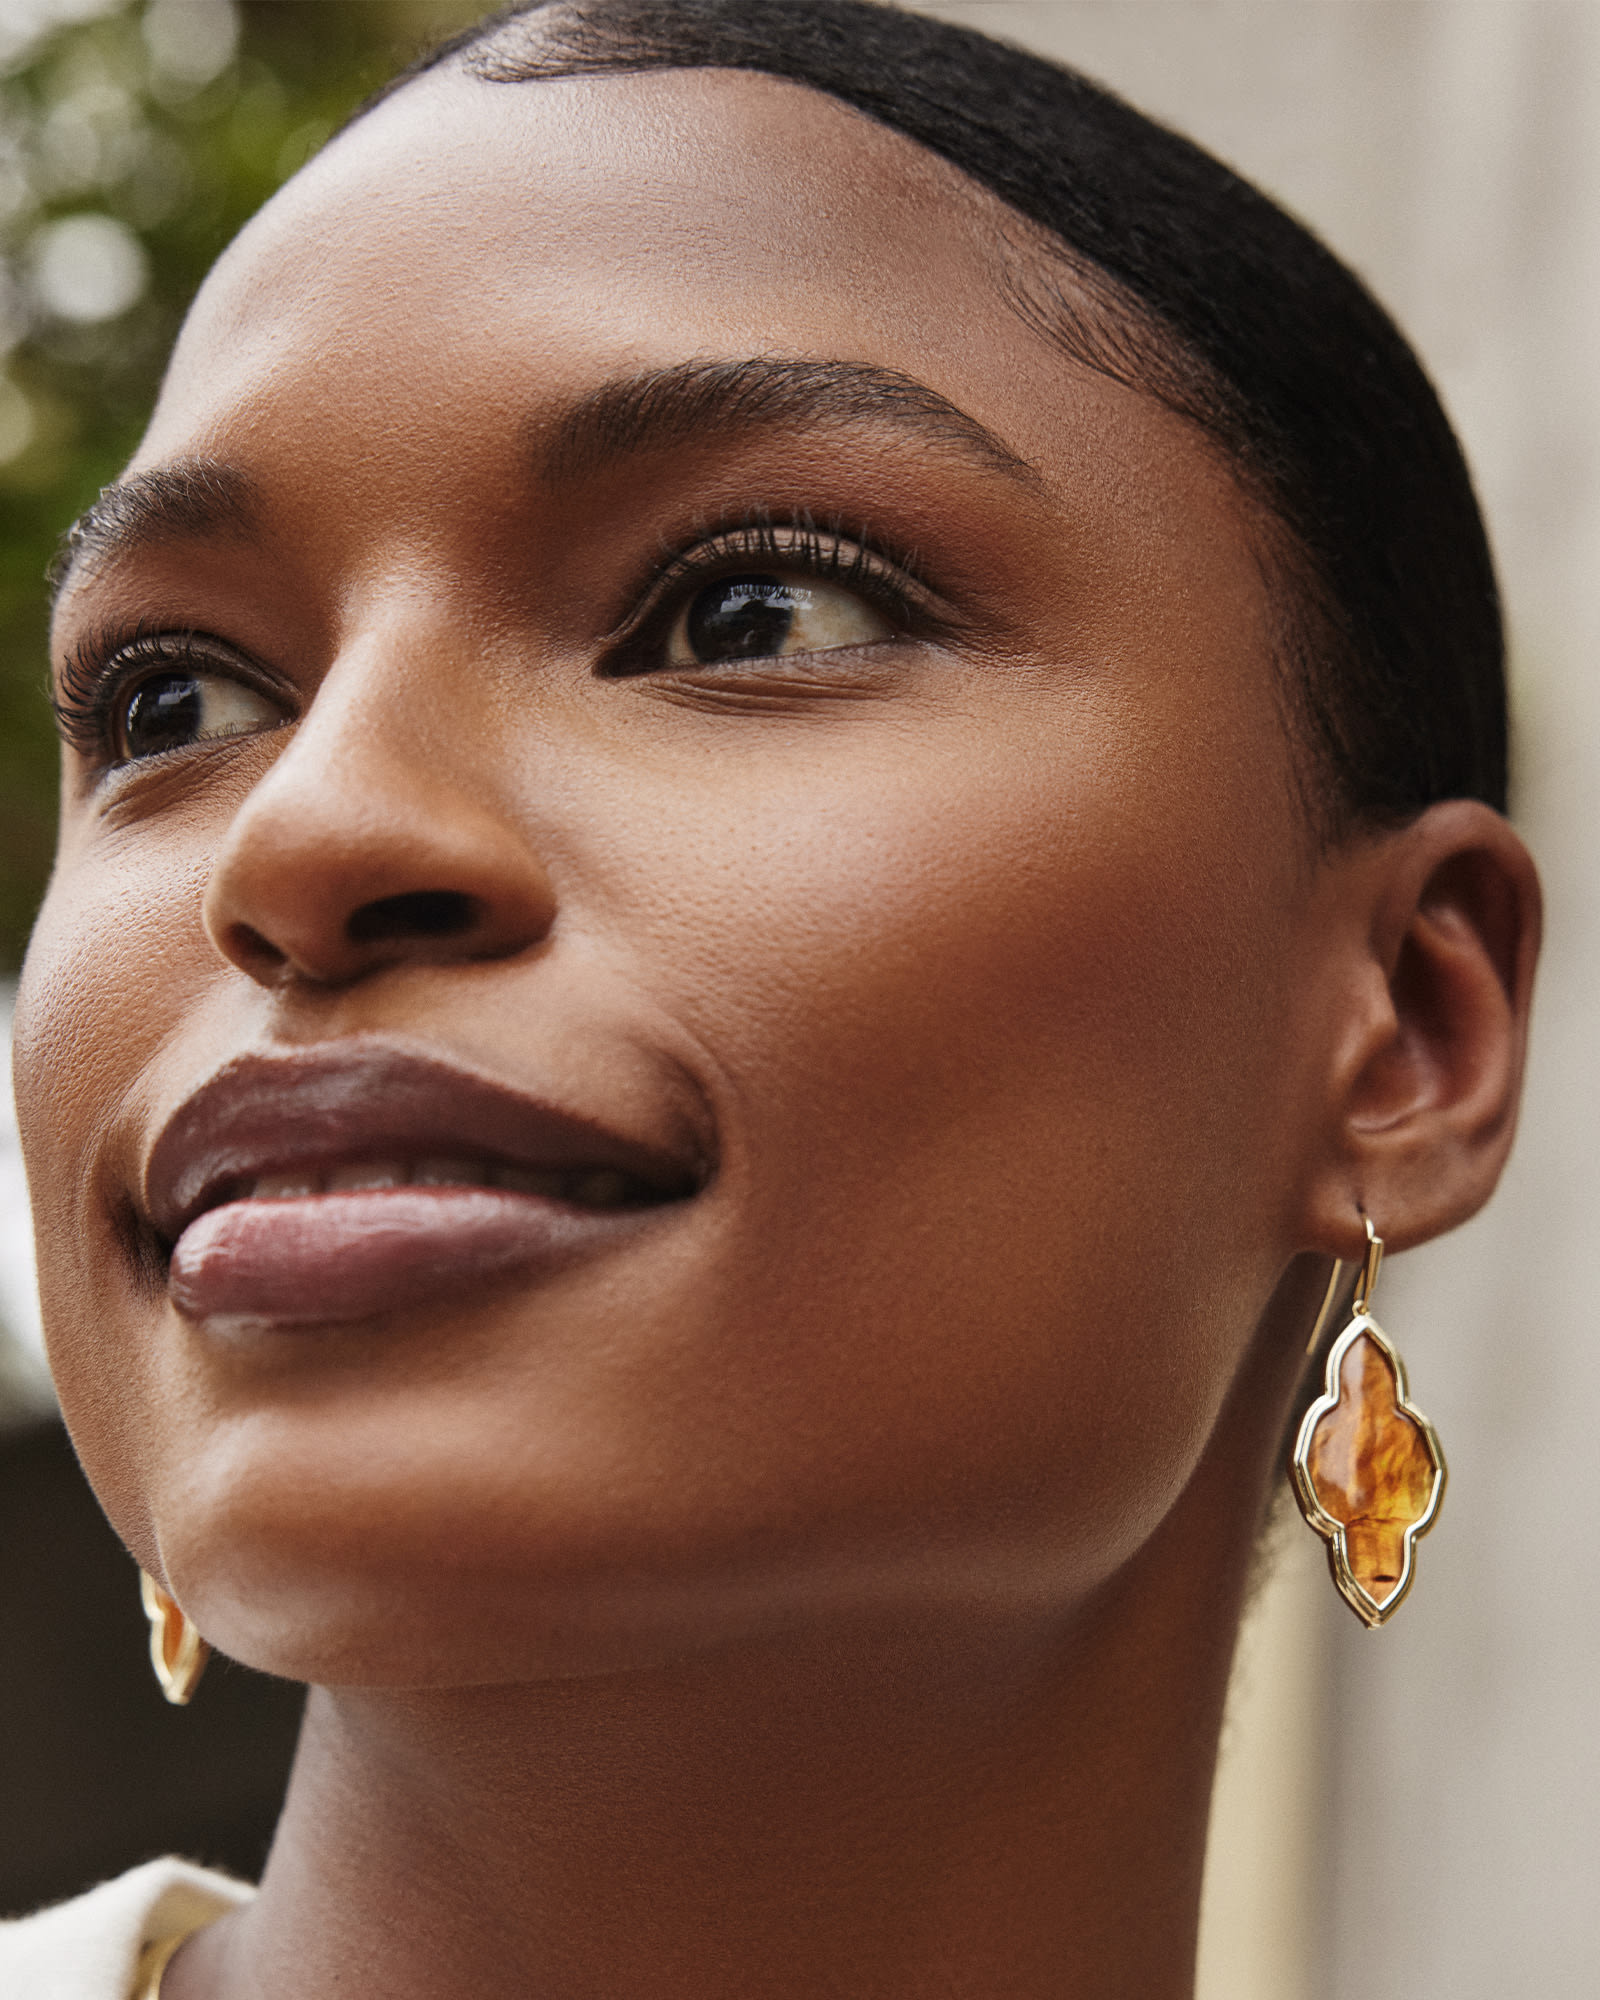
(1367,1469)
(177,1651)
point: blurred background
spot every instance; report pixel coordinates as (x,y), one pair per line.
(1414,1812)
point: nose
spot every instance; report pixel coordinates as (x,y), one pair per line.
(371,843)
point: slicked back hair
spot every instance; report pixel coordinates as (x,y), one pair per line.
(1178,278)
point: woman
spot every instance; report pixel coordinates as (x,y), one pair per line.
(784,799)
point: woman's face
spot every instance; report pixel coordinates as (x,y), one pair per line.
(615,602)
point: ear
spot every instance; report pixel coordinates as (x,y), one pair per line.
(1437,926)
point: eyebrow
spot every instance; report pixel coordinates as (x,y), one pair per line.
(188,499)
(696,400)
(195,499)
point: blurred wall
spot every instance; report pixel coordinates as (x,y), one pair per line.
(1450,150)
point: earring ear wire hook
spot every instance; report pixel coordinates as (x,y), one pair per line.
(1371,1264)
(1366,1285)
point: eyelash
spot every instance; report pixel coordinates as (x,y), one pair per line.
(100,670)
(891,583)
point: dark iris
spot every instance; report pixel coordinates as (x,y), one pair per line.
(742,618)
(164,714)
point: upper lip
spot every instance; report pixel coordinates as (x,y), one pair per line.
(362,1098)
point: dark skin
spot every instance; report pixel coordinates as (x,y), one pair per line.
(831,1588)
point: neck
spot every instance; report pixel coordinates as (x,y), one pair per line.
(873,1817)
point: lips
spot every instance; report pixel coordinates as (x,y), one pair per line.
(350,1180)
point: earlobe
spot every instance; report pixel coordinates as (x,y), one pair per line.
(1426,1097)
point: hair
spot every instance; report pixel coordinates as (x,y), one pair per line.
(1164,269)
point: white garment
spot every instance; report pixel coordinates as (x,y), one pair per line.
(89,1949)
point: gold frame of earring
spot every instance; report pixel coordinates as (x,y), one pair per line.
(1351,1439)
(177,1651)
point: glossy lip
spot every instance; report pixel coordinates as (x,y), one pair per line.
(364,1098)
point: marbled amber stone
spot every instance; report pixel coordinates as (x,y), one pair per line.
(1372,1468)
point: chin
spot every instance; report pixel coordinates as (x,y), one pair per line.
(407,1583)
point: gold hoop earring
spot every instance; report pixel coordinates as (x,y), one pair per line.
(1367,1468)
(177,1651)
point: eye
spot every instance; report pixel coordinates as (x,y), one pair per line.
(181,707)
(764,617)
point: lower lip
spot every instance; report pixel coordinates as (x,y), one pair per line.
(318,1258)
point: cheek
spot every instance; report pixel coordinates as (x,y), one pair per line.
(117,963)
(997,1027)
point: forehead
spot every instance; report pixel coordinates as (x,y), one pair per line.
(701,211)
(534,239)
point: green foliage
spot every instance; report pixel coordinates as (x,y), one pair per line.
(152,131)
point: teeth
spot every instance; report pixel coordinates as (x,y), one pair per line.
(284,1187)
(367,1174)
(449,1172)
(589,1187)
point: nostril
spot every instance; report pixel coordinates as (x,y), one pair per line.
(422,913)
(253,953)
